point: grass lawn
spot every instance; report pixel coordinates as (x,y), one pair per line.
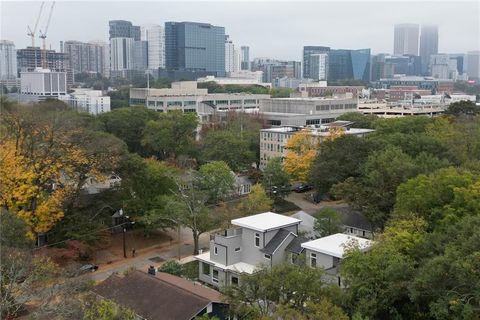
(283,206)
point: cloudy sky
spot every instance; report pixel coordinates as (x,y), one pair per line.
(271,28)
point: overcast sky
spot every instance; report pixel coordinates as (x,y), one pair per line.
(276,29)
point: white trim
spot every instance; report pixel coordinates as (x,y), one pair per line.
(283,242)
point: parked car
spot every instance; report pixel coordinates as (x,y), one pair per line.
(303,188)
(88,268)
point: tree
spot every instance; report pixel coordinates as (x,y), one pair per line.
(301,151)
(337,160)
(128,124)
(172,135)
(462,108)
(291,286)
(104,309)
(216,179)
(257,201)
(274,179)
(172,267)
(429,196)
(366,121)
(328,222)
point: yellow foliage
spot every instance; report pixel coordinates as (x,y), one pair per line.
(335,132)
(301,151)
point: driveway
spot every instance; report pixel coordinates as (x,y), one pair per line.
(309,206)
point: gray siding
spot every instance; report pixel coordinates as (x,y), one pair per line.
(251,254)
(323,260)
(221,256)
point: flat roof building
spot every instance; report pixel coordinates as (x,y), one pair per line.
(43,83)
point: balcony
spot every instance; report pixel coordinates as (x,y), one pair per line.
(227,237)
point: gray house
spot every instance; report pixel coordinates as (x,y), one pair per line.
(264,239)
(328,252)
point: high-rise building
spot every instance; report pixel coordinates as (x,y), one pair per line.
(121,54)
(123,29)
(30,58)
(8,60)
(245,56)
(473,65)
(140,55)
(439,66)
(318,66)
(155,36)
(307,52)
(407,65)
(405,39)
(428,45)
(349,64)
(460,58)
(232,57)
(88,57)
(195,47)
(378,67)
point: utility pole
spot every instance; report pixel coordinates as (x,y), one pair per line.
(124,246)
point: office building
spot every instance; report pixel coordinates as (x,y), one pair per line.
(439,66)
(91,57)
(8,60)
(378,67)
(273,140)
(121,54)
(187,97)
(460,58)
(349,64)
(318,66)
(428,45)
(321,89)
(407,65)
(240,81)
(29,59)
(192,46)
(307,52)
(428,83)
(43,83)
(473,65)
(245,56)
(123,29)
(154,34)
(86,100)
(140,56)
(232,57)
(406,39)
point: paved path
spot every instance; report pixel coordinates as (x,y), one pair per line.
(309,206)
(142,259)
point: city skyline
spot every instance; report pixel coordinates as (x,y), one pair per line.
(306,21)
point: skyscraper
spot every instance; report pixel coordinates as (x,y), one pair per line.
(406,39)
(473,65)
(428,45)
(349,64)
(197,47)
(155,36)
(121,54)
(307,52)
(232,56)
(245,56)
(8,60)
(127,51)
(318,66)
(87,57)
(123,29)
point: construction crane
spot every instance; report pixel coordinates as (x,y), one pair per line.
(31,33)
(43,36)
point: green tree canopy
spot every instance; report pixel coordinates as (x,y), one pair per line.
(275,180)
(328,222)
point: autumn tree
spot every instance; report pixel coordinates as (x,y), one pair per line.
(257,201)
(301,150)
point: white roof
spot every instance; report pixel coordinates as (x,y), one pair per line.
(239,267)
(265,221)
(336,244)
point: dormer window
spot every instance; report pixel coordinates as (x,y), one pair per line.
(257,240)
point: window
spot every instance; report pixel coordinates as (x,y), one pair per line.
(206,268)
(234,281)
(215,250)
(215,276)
(322,108)
(257,240)
(313,260)
(237,249)
(267,256)
(363,233)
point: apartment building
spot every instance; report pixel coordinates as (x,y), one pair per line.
(273,140)
(264,239)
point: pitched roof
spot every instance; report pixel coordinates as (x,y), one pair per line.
(276,241)
(307,225)
(296,245)
(154,298)
(335,244)
(353,218)
(265,221)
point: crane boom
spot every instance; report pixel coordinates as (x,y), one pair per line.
(31,33)
(43,36)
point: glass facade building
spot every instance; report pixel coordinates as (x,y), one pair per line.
(123,29)
(307,52)
(349,64)
(193,46)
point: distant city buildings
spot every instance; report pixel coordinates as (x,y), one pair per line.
(193,47)
(428,45)
(245,57)
(87,57)
(349,64)
(308,51)
(43,83)
(8,60)
(86,100)
(319,66)
(276,69)
(232,57)
(406,39)
(154,35)
(473,65)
